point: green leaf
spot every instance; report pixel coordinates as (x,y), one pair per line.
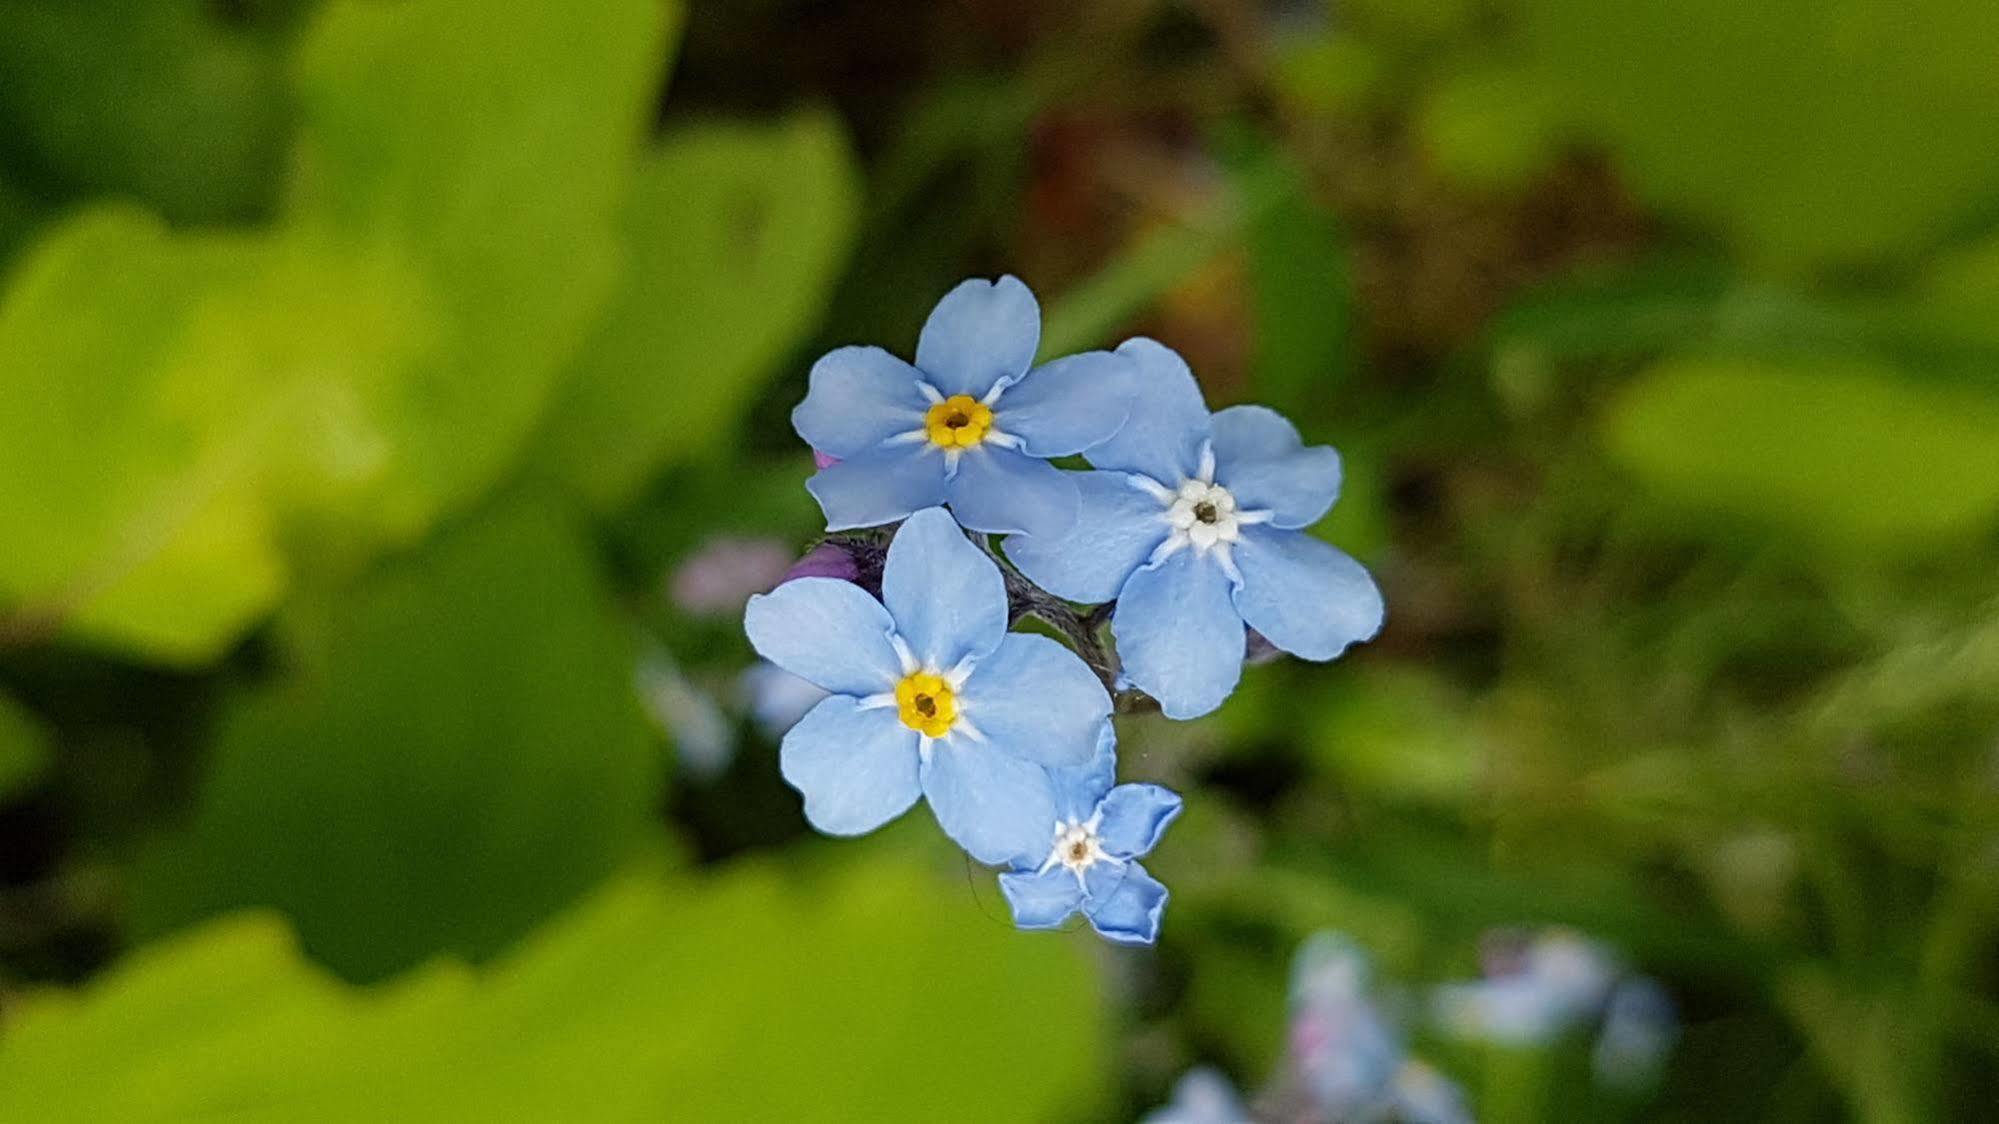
(1301,291)
(458,752)
(1813,132)
(24,748)
(1492,127)
(875,992)
(147,99)
(211,412)
(736,234)
(1840,452)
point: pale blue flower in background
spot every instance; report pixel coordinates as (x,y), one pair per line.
(1194,525)
(1423,1095)
(971,424)
(1203,1096)
(1091,847)
(1640,1026)
(704,737)
(930,697)
(776,699)
(1345,1050)
(1533,992)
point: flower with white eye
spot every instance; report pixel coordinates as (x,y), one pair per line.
(971,424)
(1099,833)
(1194,524)
(929,697)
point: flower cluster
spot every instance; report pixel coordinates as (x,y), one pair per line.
(1349,1057)
(1186,533)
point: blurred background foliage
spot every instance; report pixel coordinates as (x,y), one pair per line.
(369,367)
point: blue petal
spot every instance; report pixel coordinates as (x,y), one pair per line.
(857,769)
(982,332)
(1117,528)
(1101,881)
(827,632)
(1078,789)
(1135,816)
(878,487)
(859,397)
(1068,405)
(1041,901)
(947,598)
(997,806)
(1037,700)
(1303,595)
(1131,915)
(1168,421)
(1262,462)
(1179,635)
(1004,492)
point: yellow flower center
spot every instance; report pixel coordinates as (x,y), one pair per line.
(926,704)
(958,422)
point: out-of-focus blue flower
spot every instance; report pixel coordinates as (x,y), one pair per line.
(970,425)
(1639,1028)
(1193,523)
(1093,842)
(1425,1096)
(930,696)
(777,699)
(1345,1053)
(1203,1096)
(1533,993)
(704,739)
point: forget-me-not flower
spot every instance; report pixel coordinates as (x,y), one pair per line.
(970,425)
(931,696)
(1202,1096)
(1092,842)
(1534,992)
(1193,523)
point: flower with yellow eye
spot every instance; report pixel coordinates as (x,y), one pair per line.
(1100,831)
(931,697)
(971,424)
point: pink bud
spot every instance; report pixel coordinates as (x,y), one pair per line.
(827,560)
(821,460)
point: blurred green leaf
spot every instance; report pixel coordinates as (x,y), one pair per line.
(151,99)
(736,234)
(874,992)
(211,410)
(24,748)
(1840,452)
(1812,131)
(459,753)
(1300,288)
(1493,127)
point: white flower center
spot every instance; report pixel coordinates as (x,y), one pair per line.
(1077,847)
(1205,513)
(1201,513)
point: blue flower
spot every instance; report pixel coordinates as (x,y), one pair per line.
(1202,1096)
(931,696)
(1092,841)
(971,424)
(1536,993)
(1193,524)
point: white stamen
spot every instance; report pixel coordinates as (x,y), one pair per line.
(1150,487)
(904,655)
(909,438)
(1003,440)
(1206,473)
(930,393)
(877,702)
